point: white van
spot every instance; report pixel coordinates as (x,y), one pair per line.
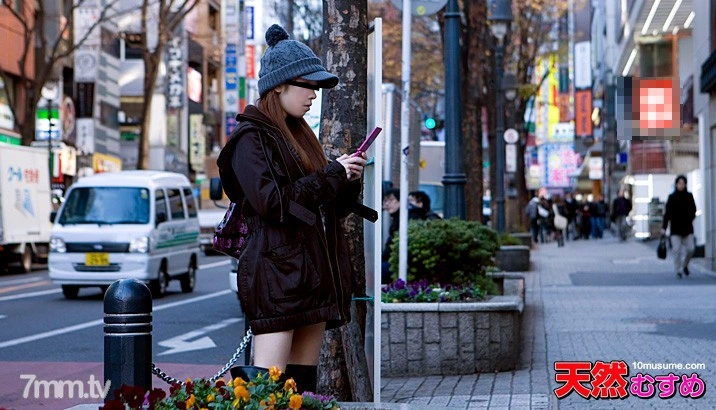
(129,224)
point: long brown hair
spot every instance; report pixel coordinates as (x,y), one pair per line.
(296,131)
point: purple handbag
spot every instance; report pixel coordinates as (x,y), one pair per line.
(232,232)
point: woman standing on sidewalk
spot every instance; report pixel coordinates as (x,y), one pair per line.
(680,212)
(295,274)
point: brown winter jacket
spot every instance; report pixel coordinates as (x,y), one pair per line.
(296,269)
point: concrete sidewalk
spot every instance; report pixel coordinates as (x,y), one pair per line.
(596,300)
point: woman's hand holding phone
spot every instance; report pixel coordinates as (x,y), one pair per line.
(353,165)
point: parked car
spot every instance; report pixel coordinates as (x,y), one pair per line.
(208,221)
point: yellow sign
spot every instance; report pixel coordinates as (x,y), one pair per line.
(106,163)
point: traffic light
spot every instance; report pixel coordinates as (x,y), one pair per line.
(430,123)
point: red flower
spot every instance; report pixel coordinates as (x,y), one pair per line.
(155,396)
(113,405)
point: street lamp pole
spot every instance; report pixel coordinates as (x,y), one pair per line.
(49,140)
(49,92)
(500,130)
(454,179)
(500,16)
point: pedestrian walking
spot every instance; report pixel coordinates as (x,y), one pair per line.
(391,204)
(598,211)
(421,201)
(571,205)
(295,274)
(620,210)
(679,215)
(560,221)
(533,215)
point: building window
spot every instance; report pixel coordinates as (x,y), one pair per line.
(108,115)
(132,46)
(655,59)
(110,43)
(214,18)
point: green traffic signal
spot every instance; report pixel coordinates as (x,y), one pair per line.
(430,123)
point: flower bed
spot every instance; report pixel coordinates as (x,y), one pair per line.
(420,339)
(262,392)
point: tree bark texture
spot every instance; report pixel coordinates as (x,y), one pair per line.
(473,60)
(151,70)
(343,369)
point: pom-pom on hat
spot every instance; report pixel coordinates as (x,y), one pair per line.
(287,59)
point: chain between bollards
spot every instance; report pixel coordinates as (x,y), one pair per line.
(171,380)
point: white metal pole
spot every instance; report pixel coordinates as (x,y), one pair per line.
(376,106)
(404,143)
(389,94)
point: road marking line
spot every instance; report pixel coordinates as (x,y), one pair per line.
(29,294)
(81,326)
(215,264)
(16,281)
(181,343)
(25,286)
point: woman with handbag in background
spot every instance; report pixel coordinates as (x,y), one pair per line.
(295,274)
(560,219)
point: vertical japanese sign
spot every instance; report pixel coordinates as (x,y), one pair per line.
(175,73)
(249,22)
(231,63)
(197,142)
(583,113)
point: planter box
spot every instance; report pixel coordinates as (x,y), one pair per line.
(514,258)
(525,238)
(420,339)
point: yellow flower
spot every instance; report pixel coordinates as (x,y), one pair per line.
(290,385)
(274,373)
(210,398)
(190,402)
(241,393)
(295,402)
(239,382)
(272,400)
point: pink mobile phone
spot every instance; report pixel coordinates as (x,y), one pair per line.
(368,141)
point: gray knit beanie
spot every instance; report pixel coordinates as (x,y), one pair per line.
(286,59)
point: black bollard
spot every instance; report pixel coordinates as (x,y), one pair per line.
(127,335)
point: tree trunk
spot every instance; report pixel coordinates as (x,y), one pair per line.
(343,366)
(151,70)
(472,97)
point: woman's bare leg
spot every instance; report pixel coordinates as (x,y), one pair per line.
(273,349)
(306,346)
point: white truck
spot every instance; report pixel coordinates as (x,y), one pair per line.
(25,205)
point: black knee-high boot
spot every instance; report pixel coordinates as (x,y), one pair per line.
(305,376)
(248,372)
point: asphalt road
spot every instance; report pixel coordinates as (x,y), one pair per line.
(44,337)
